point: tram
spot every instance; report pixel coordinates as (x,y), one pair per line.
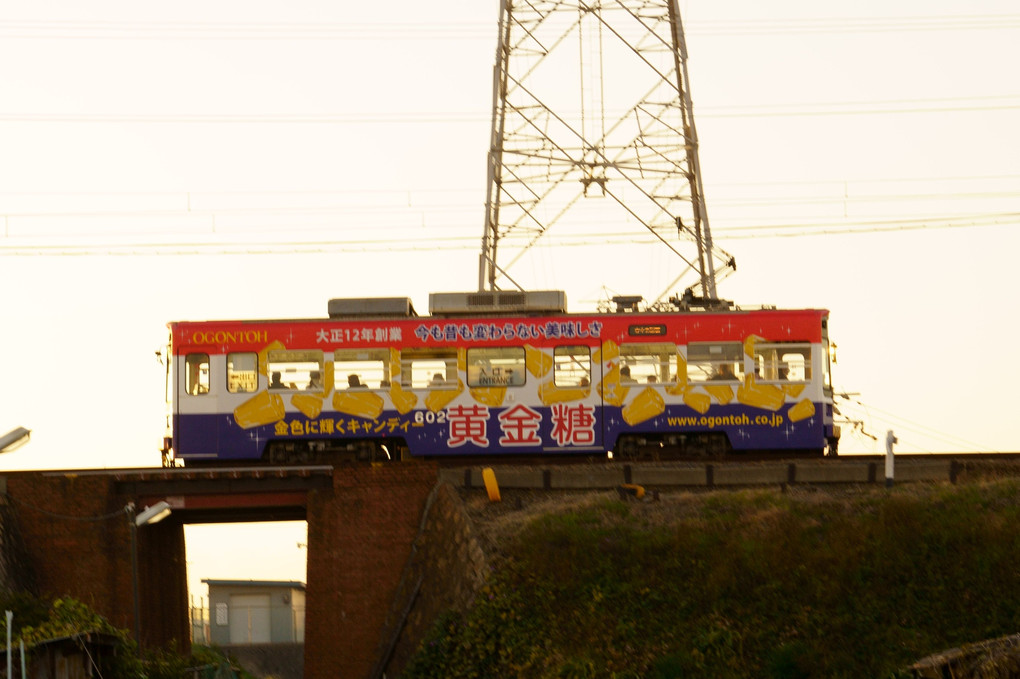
(500,375)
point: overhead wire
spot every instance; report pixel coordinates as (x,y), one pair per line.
(762,230)
(408,193)
(865,226)
(25,230)
(213,30)
(1005,102)
(244,243)
(901,423)
(368,30)
(890,24)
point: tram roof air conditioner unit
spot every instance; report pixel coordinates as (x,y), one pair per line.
(371,306)
(498,301)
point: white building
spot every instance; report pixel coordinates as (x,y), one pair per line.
(256,612)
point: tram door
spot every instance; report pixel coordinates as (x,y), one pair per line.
(577,424)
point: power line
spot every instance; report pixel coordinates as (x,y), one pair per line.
(899,106)
(185,30)
(926,432)
(866,227)
(212,30)
(405,194)
(820,109)
(380,118)
(430,241)
(953,23)
(422,207)
(177,216)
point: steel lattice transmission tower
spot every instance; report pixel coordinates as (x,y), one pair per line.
(591,99)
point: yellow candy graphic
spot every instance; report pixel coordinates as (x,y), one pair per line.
(437,399)
(681,369)
(765,396)
(681,384)
(550,393)
(309,404)
(537,361)
(360,403)
(490,396)
(749,342)
(610,389)
(607,352)
(699,402)
(395,365)
(264,354)
(723,393)
(793,390)
(403,400)
(801,411)
(677,389)
(327,381)
(263,408)
(645,406)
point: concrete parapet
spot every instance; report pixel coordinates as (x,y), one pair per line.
(934,470)
(586,478)
(700,474)
(668,476)
(819,472)
(750,475)
(455,477)
(508,477)
(535,479)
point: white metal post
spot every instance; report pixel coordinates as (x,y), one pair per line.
(10,617)
(890,439)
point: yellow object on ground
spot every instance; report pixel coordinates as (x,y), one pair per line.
(491,487)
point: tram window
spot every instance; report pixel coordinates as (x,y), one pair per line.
(428,368)
(293,369)
(196,367)
(572,366)
(715,361)
(650,362)
(783,361)
(496,367)
(242,372)
(371,367)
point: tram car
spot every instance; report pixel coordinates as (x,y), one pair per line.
(497,374)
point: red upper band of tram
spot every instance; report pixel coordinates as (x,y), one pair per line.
(804,325)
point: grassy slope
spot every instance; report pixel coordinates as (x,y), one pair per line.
(741,584)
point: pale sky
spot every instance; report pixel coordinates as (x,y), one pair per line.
(255,159)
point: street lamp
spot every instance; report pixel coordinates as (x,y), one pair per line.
(147,516)
(153,514)
(14,439)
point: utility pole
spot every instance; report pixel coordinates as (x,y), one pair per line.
(593,122)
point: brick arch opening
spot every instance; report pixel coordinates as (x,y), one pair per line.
(362,521)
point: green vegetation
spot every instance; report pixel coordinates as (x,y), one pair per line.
(745,584)
(35,621)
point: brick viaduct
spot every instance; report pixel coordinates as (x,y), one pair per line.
(362,523)
(389,547)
